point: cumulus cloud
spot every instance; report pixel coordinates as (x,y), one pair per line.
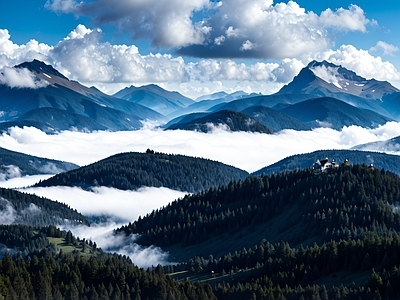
(168,23)
(82,56)
(352,19)
(385,48)
(262,29)
(12,54)
(233,28)
(20,78)
(361,62)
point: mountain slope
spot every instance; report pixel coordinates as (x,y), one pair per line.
(204,103)
(334,113)
(30,165)
(234,121)
(274,119)
(308,233)
(263,100)
(185,119)
(156,98)
(304,161)
(54,264)
(134,170)
(391,145)
(326,79)
(27,209)
(72,98)
(296,207)
(391,102)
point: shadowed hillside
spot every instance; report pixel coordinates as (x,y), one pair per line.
(129,171)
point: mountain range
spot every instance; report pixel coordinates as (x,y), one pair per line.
(296,229)
(283,232)
(62,104)
(321,95)
(156,98)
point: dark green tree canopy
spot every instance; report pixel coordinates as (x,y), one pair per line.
(129,171)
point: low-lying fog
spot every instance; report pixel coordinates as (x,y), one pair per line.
(248,151)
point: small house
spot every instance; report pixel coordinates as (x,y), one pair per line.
(321,165)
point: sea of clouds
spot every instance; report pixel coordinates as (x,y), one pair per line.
(248,151)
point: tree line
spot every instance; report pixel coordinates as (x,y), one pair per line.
(130,171)
(344,203)
(28,209)
(49,273)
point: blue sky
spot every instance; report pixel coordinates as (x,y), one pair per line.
(201,46)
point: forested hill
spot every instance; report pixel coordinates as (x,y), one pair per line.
(303,161)
(31,165)
(28,209)
(129,171)
(297,207)
(56,265)
(293,235)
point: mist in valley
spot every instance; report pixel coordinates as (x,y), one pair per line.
(248,151)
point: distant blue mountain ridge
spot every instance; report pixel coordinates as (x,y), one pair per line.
(321,95)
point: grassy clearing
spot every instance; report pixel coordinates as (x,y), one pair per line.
(69,248)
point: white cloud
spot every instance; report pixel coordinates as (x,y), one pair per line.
(50,168)
(281,30)
(125,205)
(247,45)
(328,74)
(104,237)
(61,5)
(82,56)
(32,209)
(352,19)
(9,172)
(219,40)
(248,151)
(361,62)
(385,48)
(12,54)
(7,212)
(168,23)
(24,181)
(79,32)
(20,78)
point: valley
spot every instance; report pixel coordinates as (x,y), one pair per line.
(216,197)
